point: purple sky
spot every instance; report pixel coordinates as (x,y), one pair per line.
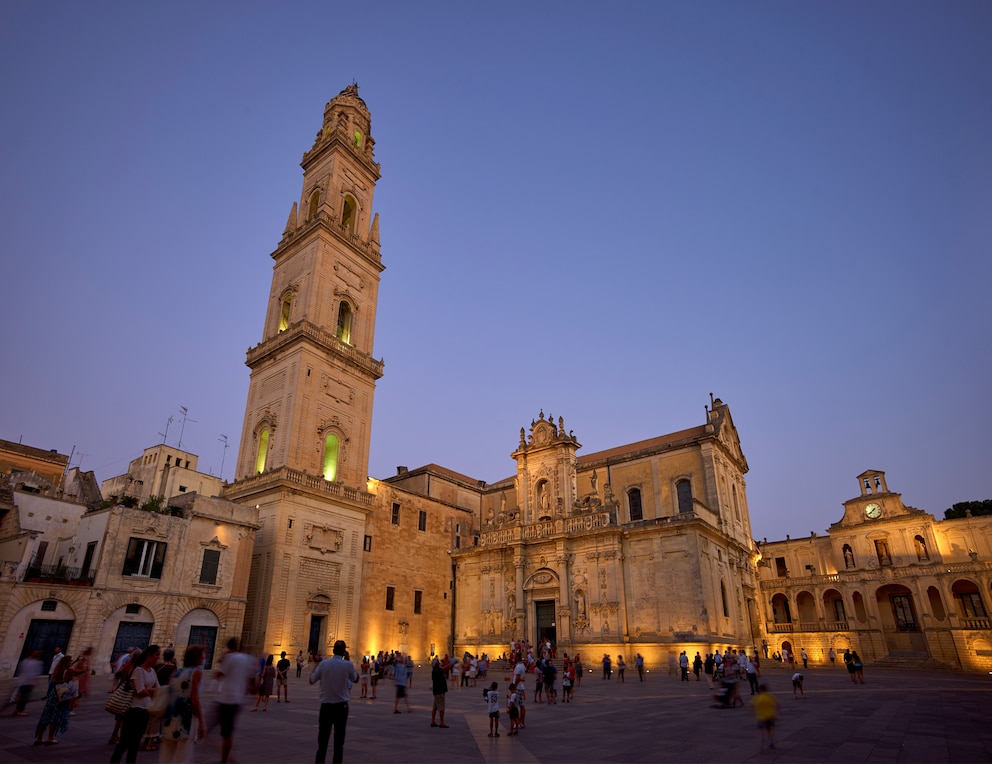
(604,215)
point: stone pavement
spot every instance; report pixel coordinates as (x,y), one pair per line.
(898,715)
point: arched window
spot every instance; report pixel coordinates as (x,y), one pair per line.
(343,331)
(263,450)
(331,447)
(287,304)
(348,213)
(723,597)
(848,556)
(314,204)
(683,489)
(634,504)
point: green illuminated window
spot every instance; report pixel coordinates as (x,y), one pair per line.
(348,213)
(331,446)
(343,331)
(263,450)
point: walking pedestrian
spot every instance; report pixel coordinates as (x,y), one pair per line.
(183,718)
(28,671)
(639,665)
(235,669)
(135,721)
(765,707)
(400,680)
(858,666)
(55,714)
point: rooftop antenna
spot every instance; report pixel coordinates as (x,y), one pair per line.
(166,433)
(185,412)
(79,464)
(223,439)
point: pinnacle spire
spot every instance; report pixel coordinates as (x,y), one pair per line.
(374,230)
(291,222)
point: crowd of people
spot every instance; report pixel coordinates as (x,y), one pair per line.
(157,703)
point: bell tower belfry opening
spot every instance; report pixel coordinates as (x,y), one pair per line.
(304,452)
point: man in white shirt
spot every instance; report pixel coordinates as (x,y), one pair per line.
(235,670)
(55,659)
(336,675)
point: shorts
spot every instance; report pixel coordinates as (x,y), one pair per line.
(494,714)
(365,680)
(513,712)
(400,691)
(439,702)
(282,681)
(227,713)
(767,724)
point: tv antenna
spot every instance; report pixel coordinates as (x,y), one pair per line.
(166,433)
(185,412)
(223,439)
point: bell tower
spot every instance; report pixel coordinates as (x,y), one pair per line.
(304,451)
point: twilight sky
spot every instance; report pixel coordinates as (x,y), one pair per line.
(604,215)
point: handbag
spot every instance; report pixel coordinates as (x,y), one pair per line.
(160,702)
(119,702)
(67,691)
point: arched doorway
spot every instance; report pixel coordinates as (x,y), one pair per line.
(541,592)
(198,627)
(900,620)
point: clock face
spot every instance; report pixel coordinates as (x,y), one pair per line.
(873,510)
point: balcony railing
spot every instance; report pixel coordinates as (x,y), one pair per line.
(58,574)
(788,628)
(982,624)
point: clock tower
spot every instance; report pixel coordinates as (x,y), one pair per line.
(876,502)
(304,451)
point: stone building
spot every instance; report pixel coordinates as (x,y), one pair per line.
(162,471)
(112,577)
(419,518)
(888,580)
(16,457)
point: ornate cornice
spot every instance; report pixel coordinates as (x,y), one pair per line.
(304,331)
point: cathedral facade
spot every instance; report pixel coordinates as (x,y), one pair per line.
(642,548)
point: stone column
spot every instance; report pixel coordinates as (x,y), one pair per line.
(564,609)
(521,614)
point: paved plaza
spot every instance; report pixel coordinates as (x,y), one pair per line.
(898,715)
